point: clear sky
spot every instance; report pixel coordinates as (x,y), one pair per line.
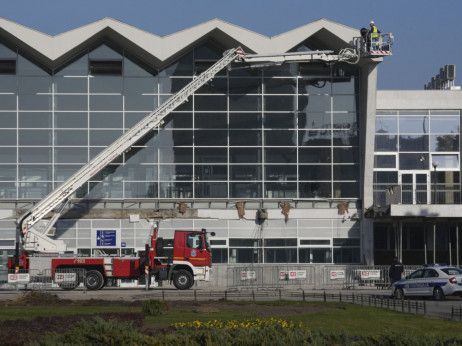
(426,31)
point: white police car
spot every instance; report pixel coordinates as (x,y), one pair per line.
(437,281)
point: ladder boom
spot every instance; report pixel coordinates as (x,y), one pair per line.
(123,143)
(36,240)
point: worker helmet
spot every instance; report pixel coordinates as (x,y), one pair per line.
(372,22)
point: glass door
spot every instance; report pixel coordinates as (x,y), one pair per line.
(415,187)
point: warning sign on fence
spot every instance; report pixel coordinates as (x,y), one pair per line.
(292,274)
(18,278)
(248,275)
(337,274)
(65,277)
(370,274)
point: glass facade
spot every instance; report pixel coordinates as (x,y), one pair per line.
(420,152)
(288,131)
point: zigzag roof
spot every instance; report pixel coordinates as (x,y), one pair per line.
(158,51)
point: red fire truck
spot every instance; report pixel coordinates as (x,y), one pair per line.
(190,262)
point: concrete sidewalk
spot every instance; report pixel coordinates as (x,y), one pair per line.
(201,293)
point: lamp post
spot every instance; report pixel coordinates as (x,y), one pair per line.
(434,164)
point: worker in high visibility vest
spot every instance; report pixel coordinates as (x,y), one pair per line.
(374,34)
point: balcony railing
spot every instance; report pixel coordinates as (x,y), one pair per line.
(417,194)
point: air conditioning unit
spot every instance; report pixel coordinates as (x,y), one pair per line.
(437,82)
(450,72)
(442,74)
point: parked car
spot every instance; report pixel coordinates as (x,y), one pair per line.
(432,280)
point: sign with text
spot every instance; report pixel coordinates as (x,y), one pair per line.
(248,275)
(370,274)
(65,277)
(106,238)
(292,274)
(337,274)
(18,278)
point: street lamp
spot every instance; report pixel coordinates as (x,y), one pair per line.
(434,164)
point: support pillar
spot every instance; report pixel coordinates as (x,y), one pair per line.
(400,256)
(450,247)
(434,242)
(457,245)
(425,243)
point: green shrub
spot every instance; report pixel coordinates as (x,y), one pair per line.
(154,307)
(96,332)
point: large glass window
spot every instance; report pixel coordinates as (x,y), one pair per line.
(273,133)
(414,141)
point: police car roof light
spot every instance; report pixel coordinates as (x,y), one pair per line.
(435,265)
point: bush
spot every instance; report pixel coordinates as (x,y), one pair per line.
(154,307)
(20,332)
(96,332)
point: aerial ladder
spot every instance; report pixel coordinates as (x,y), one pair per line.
(38,239)
(383,45)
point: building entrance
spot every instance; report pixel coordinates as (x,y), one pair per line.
(415,187)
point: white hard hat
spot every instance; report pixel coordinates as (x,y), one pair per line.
(372,22)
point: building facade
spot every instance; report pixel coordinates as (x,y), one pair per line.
(280,162)
(417,160)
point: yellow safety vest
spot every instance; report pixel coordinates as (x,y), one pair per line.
(374,32)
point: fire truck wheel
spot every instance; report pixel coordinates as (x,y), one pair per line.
(104,284)
(94,280)
(68,286)
(182,279)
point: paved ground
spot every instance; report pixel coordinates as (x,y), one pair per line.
(138,293)
(363,296)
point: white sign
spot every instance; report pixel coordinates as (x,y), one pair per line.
(248,275)
(18,278)
(370,274)
(65,277)
(292,274)
(337,274)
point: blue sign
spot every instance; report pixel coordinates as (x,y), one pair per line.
(106,237)
(123,244)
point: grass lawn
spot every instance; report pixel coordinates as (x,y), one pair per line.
(351,319)
(31,312)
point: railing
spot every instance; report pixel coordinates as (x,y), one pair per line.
(43,280)
(417,194)
(380,45)
(312,276)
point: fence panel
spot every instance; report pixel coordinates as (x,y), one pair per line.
(292,275)
(251,276)
(336,276)
(69,279)
(42,280)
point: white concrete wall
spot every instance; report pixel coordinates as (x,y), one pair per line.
(419,99)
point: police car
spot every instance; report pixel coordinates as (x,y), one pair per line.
(437,281)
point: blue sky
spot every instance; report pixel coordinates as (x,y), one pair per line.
(426,31)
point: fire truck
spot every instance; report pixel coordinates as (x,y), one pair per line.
(191,261)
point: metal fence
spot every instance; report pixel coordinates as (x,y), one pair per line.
(372,300)
(312,276)
(42,280)
(254,276)
(265,276)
